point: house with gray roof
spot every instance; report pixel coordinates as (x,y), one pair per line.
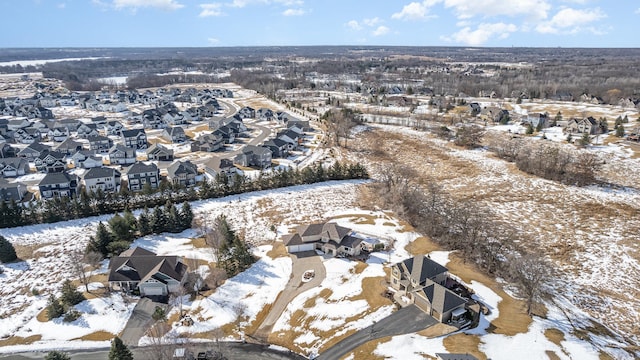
(69,147)
(159,152)
(184,173)
(140,174)
(135,138)
(121,155)
(12,191)
(14,167)
(328,237)
(423,282)
(143,270)
(104,178)
(174,134)
(50,161)
(58,184)
(32,151)
(255,156)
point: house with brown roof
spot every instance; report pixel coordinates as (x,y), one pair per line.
(422,281)
(330,238)
(143,270)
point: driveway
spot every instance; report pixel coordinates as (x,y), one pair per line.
(139,321)
(407,320)
(303,261)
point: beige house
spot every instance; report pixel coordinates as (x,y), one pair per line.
(330,238)
(421,281)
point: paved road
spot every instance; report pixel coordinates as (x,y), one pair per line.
(407,320)
(302,262)
(139,321)
(231,350)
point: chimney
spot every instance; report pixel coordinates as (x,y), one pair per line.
(416,270)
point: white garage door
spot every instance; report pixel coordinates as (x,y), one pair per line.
(301,247)
(153,291)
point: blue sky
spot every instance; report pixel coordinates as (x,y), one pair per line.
(196,23)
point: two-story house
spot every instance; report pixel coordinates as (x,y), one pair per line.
(135,138)
(121,155)
(182,173)
(58,184)
(255,156)
(100,144)
(140,174)
(104,178)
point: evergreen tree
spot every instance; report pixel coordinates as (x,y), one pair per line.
(116,248)
(557,119)
(7,251)
(54,308)
(625,119)
(529,129)
(57,355)
(144,225)
(120,228)
(158,220)
(585,139)
(569,138)
(131,221)
(173,218)
(119,351)
(620,131)
(186,216)
(100,241)
(70,295)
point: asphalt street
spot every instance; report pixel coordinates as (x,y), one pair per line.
(407,320)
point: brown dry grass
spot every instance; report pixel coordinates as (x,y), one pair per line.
(437,330)
(97,336)
(363,219)
(552,355)
(278,250)
(199,243)
(365,351)
(42,316)
(359,268)
(26,252)
(18,340)
(421,245)
(463,343)
(373,289)
(554,335)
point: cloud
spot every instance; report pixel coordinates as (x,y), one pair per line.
(136,4)
(380,30)
(371,22)
(637,11)
(213,41)
(570,20)
(293,12)
(244,3)
(353,24)
(531,9)
(415,10)
(482,33)
(62,5)
(212,9)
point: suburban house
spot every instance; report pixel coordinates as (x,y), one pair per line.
(140,174)
(104,178)
(12,191)
(588,125)
(252,155)
(13,167)
(100,144)
(7,151)
(85,159)
(264,114)
(207,143)
(226,133)
(121,155)
(136,138)
(32,151)
(182,173)
(174,134)
(328,237)
(57,184)
(50,161)
(86,130)
(537,120)
(216,166)
(247,112)
(69,147)
(279,148)
(292,138)
(422,281)
(142,270)
(159,152)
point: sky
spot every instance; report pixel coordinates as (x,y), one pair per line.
(203,23)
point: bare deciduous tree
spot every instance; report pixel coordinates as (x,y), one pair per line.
(530,273)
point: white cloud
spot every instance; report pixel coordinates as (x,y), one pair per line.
(531,9)
(243,3)
(570,20)
(62,5)
(293,12)
(212,9)
(638,11)
(482,33)
(415,10)
(380,30)
(213,41)
(371,22)
(136,4)
(353,24)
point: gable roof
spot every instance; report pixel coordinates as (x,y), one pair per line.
(100,172)
(140,167)
(140,265)
(56,178)
(420,268)
(132,132)
(179,167)
(441,298)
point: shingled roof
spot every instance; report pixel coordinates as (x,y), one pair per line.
(139,265)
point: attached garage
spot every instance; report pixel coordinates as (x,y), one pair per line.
(301,247)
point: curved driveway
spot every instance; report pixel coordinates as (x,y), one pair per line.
(302,262)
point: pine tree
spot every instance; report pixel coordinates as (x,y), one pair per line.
(120,228)
(54,308)
(100,241)
(585,140)
(158,220)
(7,251)
(131,221)
(620,131)
(173,218)
(70,295)
(119,351)
(186,216)
(57,355)
(144,223)
(529,129)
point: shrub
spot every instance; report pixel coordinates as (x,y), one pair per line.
(71,315)
(7,251)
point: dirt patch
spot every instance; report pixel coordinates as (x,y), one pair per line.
(199,243)
(373,289)
(43,316)
(97,336)
(552,355)
(359,268)
(18,340)
(465,344)
(436,330)
(554,335)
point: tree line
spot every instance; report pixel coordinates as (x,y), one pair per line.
(462,225)
(87,204)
